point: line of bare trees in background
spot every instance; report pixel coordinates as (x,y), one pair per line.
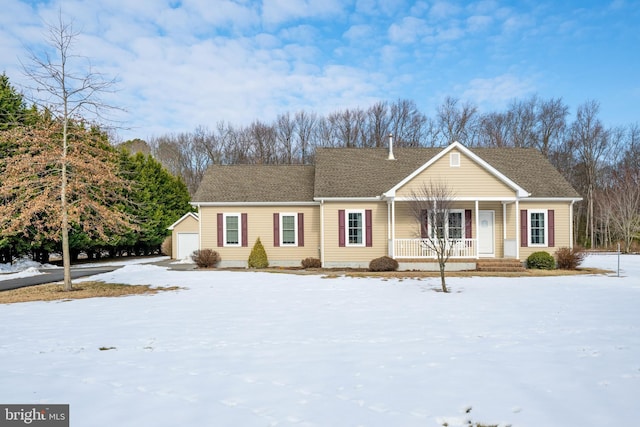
(600,162)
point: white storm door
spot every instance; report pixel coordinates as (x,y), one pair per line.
(486,233)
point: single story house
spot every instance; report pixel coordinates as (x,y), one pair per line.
(354,205)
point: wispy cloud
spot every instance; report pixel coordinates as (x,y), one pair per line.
(496,92)
(186,63)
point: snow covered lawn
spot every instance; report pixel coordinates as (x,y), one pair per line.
(257,349)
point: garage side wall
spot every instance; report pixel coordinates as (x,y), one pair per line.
(188,225)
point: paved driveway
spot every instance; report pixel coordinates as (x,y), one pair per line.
(52,275)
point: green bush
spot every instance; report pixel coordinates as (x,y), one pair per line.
(541,260)
(206,258)
(383,263)
(570,258)
(311,263)
(258,256)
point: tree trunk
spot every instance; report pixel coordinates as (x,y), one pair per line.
(442,277)
(66,256)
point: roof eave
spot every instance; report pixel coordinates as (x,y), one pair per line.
(182,218)
(279,203)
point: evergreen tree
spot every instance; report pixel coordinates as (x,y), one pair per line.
(158,199)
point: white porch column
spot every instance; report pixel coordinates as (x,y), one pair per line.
(322,232)
(477,229)
(517,229)
(571,224)
(391,221)
(504,223)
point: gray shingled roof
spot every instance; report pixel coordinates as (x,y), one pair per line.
(366,172)
(256,183)
(530,169)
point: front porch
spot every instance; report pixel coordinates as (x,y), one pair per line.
(458,248)
(474,229)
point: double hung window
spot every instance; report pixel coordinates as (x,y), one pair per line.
(355,225)
(537,227)
(232,230)
(449,225)
(289,229)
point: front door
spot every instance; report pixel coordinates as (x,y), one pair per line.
(486,233)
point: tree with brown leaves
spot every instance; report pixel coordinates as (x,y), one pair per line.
(31,190)
(66,85)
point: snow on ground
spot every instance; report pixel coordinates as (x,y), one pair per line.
(27,272)
(19,266)
(260,349)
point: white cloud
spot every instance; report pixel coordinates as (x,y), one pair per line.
(358,32)
(409,30)
(497,91)
(187,63)
(279,11)
(478,23)
(442,10)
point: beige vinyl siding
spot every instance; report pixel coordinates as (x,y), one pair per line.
(188,225)
(354,255)
(467,180)
(260,224)
(562,222)
(512,219)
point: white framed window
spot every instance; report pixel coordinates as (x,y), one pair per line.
(288,229)
(538,230)
(454,160)
(453,228)
(232,229)
(455,225)
(354,229)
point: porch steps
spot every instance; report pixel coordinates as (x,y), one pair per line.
(499,265)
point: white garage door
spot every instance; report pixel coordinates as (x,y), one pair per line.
(187,243)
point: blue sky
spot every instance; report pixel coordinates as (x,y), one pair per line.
(182,64)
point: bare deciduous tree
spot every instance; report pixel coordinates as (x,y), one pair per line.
(431,206)
(552,121)
(66,85)
(457,122)
(591,142)
(623,204)
(285,128)
(306,129)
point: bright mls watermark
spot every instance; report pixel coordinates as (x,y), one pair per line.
(34,415)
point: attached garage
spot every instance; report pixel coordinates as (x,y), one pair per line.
(185,236)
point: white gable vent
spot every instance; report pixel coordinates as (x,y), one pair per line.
(454,160)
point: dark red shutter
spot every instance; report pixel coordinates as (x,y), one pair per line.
(220,230)
(424,224)
(468,230)
(341,228)
(245,237)
(276,230)
(368,225)
(300,229)
(524,241)
(552,231)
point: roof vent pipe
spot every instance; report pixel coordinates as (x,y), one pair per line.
(391,147)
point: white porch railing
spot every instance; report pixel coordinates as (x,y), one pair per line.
(419,248)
